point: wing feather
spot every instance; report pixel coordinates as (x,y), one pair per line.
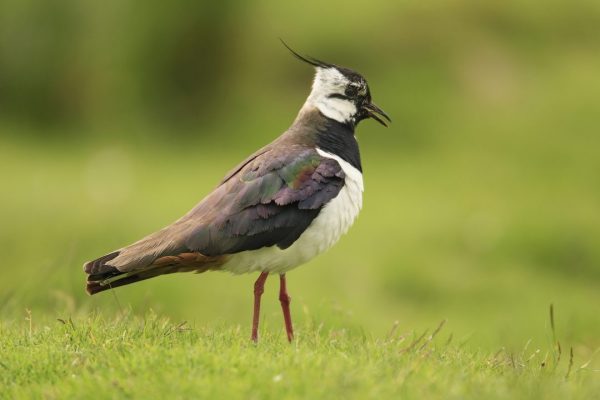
(273,202)
(268,200)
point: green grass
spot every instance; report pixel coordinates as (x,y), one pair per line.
(153,357)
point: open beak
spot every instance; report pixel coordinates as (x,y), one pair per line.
(376,113)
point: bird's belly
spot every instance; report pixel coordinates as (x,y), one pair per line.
(333,221)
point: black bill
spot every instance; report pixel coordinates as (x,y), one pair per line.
(373,111)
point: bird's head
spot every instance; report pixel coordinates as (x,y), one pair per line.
(341,93)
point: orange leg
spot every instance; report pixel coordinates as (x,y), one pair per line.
(259,288)
(285,300)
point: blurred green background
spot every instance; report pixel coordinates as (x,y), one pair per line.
(482,202)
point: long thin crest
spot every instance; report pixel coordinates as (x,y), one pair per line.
(307,59)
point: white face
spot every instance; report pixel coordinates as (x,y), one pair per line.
(330,81)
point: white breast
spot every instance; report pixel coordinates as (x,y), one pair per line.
(333,221)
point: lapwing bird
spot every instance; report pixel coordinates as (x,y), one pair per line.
(279,208)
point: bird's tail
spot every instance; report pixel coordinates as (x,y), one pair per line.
(101,282)
(102,276)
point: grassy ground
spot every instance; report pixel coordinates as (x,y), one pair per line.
(152,357)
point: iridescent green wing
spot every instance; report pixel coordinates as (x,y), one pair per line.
(270,201)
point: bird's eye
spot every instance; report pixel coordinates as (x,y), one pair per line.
(351,91)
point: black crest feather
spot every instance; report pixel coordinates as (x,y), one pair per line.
(307,59)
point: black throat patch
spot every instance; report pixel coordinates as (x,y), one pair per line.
(338,138)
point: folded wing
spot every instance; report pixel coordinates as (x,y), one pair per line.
(268,201)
